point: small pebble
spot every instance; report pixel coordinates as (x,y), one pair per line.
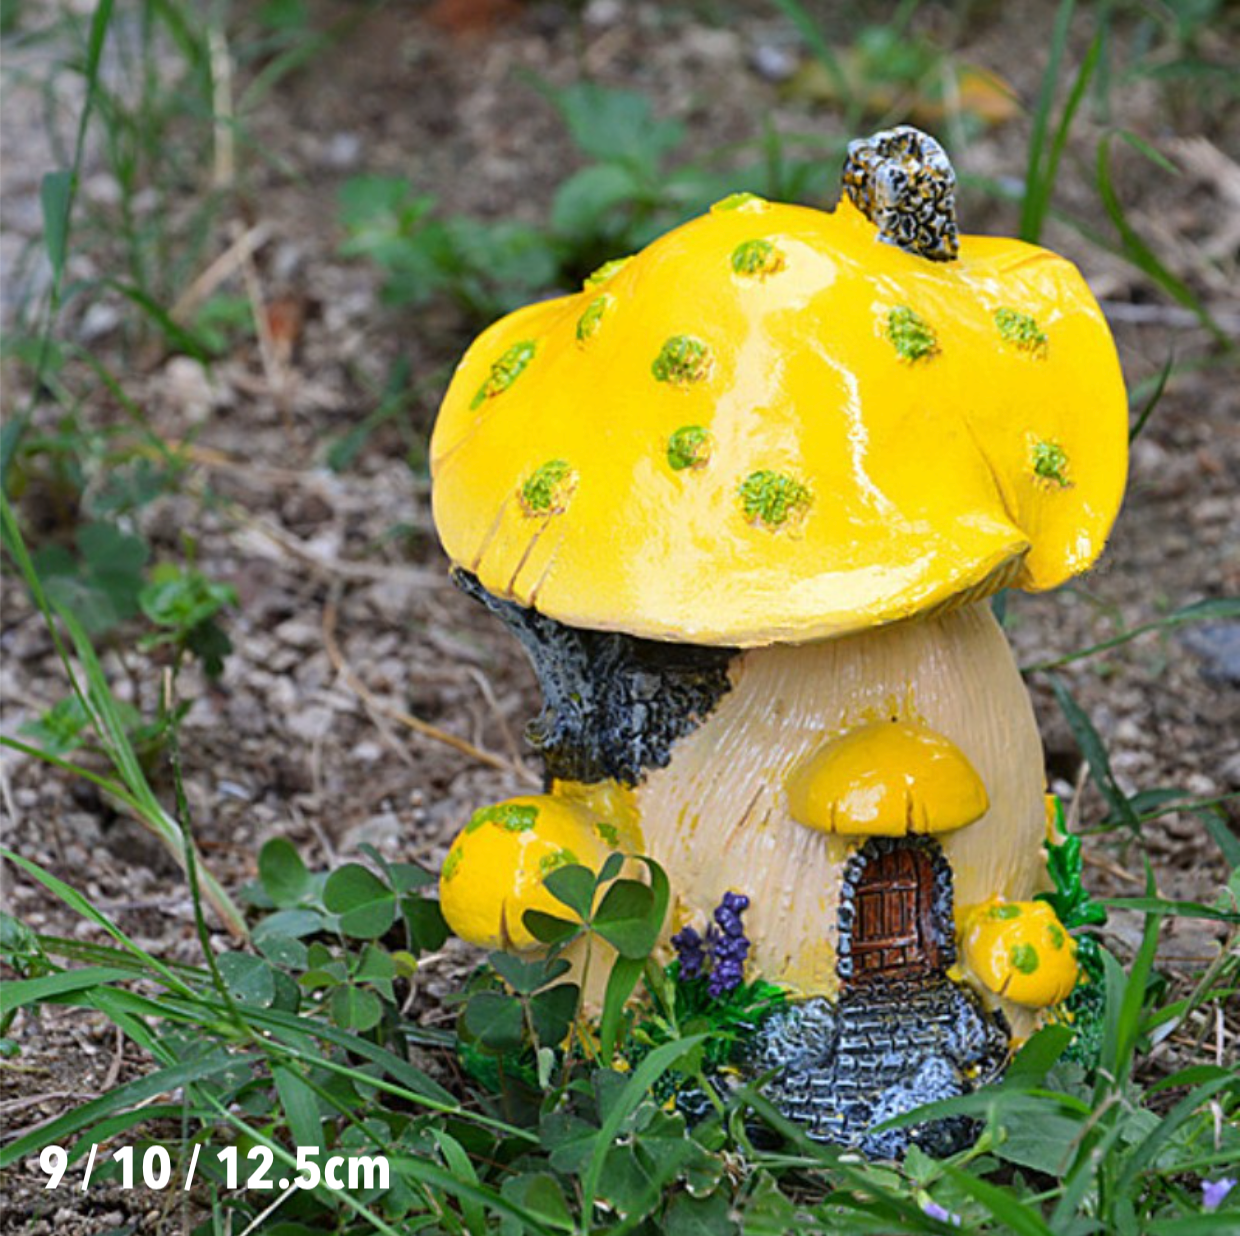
(1217,644)
(772,63)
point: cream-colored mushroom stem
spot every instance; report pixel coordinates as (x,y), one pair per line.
(717,816)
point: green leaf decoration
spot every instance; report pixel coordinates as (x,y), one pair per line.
(425,923)
(495,1020)
(682,361)
(250,979)
(691,1216)
(365,905)
(552,1012)
(526,977)
(282,873)
(625,919)
(354,1008)
(689,446)
(505,371)
(573,886)
(911,335)
(547,929)
(772,499)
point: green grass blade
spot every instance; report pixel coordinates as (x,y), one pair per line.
(1214,609)
(430,1174)
(281,1155)
(643,1077)
(125,1097)
(57,194)
(104,783)
(1095,753)
(56,199)
(111,727)
(1155,398)
(1216,825)
(1082,1177)
(1037,195)
(1135,249)
(1223,1224)
(80,905)
(1012,1213)
(1175,909)
(1125,999)
(799,18)
(301,1107)
(622,980)
(1143,1155)
(100,706)
(16,993)
(473,1210)
(1045,184)
(177,337)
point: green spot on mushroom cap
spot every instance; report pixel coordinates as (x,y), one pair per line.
(740,201)
(1055,932)
(771,499)
(682,360)
(689,447)
(757,257)
(550,487)
(609,832)
(513,817)
(1024,957)
(606,271)
(1022,330)
(505,371)
(592,317)
(1050,463)
(910,334)
(450,865)
(553,862)
(1004,911)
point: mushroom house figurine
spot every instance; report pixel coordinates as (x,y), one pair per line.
(745,500)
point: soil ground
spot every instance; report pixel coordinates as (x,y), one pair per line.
(346,616)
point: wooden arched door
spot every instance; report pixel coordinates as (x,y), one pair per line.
(898,906)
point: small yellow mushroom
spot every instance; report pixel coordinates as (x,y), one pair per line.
(888,779)
(1021,951)
(495,870)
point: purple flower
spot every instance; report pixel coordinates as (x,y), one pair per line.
(728,945)
(1214,1191)
(688,946)
(935,1211)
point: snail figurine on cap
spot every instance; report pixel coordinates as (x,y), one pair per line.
(744,500)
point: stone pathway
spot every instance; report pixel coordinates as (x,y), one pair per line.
(847,1066)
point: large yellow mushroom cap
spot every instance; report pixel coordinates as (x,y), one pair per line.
(770,426)
(495,869)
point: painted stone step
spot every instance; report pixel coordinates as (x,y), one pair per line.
(844,1067)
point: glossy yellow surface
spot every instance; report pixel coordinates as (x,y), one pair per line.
(494,871)
(887,779)
(1020,951)
(610,805)
(769,426)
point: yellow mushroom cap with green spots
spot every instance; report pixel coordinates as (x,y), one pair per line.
(1020,951)
(887,779)
(495,869)
(770,426)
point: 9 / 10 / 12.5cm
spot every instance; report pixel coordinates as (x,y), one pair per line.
(153,1168)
